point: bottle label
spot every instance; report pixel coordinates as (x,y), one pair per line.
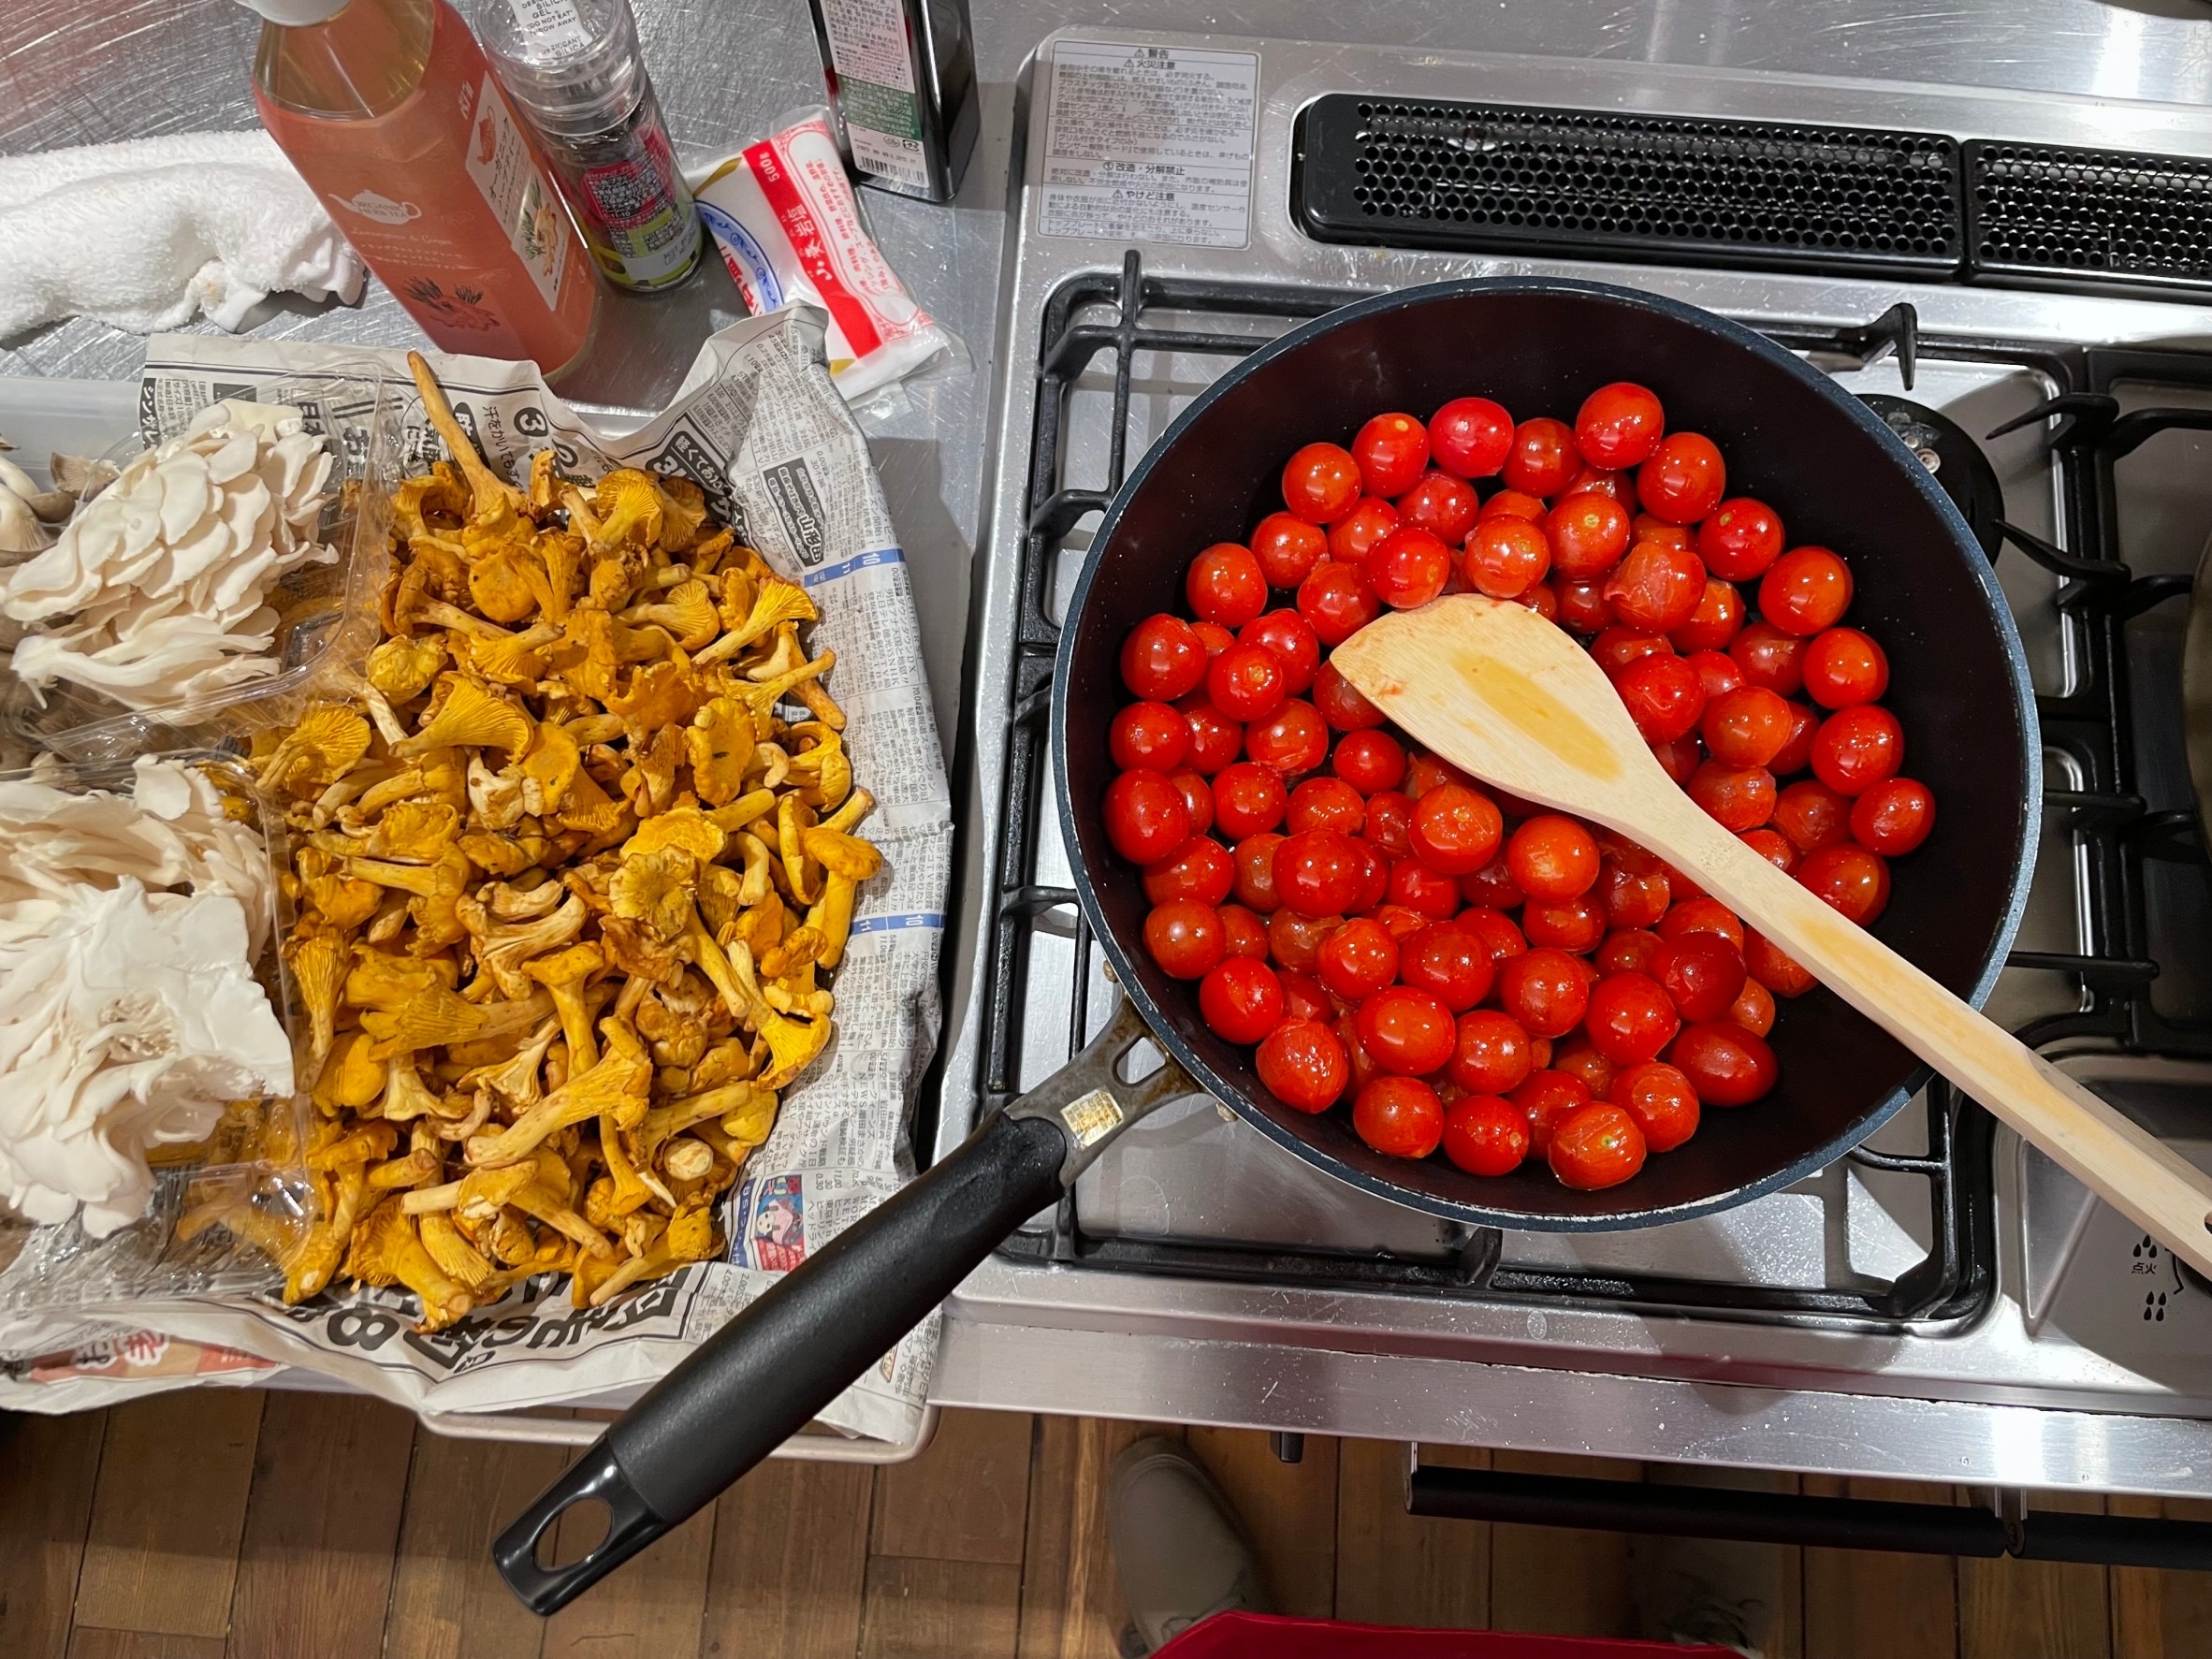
(499,160)
(550,22)
(874,60)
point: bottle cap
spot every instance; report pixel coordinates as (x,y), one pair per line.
(571,64)
(295,14)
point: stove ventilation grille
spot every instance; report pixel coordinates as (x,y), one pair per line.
(1682,190)
(2089,217)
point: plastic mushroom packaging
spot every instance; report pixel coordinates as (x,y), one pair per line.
(158,591)
(130,1018)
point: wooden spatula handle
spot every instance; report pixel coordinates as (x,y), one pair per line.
(2129,1168)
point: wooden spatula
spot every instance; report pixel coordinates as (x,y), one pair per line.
(1503,694)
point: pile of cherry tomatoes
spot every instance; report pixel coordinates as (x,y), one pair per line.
(1477,974)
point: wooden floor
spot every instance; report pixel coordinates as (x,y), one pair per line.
(296,1526)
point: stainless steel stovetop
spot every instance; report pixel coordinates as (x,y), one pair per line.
(2078,1353)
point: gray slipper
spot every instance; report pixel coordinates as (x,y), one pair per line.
(1181,1552)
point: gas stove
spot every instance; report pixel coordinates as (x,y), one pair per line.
(1891,1314)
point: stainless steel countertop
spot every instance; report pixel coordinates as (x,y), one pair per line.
(81,71)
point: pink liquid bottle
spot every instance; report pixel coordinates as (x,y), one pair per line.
(392,116)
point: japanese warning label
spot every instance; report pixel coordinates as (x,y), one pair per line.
(1149,144)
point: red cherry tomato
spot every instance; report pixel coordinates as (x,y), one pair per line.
(1441,504)
(1449,962)
(1512,504)
(1630,950)
(1200,870)
(1407,1032)
(1317,873)
(1357,959)
(1583,608)
(1287,548)
(1241,999)
(1539,599)
(1408,567)
(1796,754)
(1425,771)
(1588,534)
(1725,1064)
(1635,894)
(1198,796)
(1546,1098)
(1455,829)
(1293,739)
(1399,1116)
(1243,933)
(1147,819)
(1617,646)
(1162,660)
(1660,1100)
(1551,858)
(1185,938)
(1894,816)
(1573,924)
(1589,480)
(1305,998)
(1701,915)
(1736,797)
(1352,537)
(1147,735)
(1657,587)
(1630,1018)
(1469,437)
(1321,483)
(1772,967)
(1716,671)
(1485,1135)
(1215,738)
(1620,425)
(1740,539)
(1843,666)
(1543,990)
(1772,845)
(1848,879)
(1664,696)
(1595,1147)
(1679,758)
(1336,601)
(1769,657)
(1644,528)
(1746,727)
(1371,761)
(1683,480)
(1295,941)
(1247,682)
(1417,887)
(1224,585)
(1392,450)
(1374,879)
(1342,704)
(1491,1053)
(1389,821)
(1719,618)
(1700,972)
(1754,1008)
(1812,815)
(1402,920)
(1805,590)
(1248,799)
(1543,456)
(1303,1065)
(1254,885)
(1505,557)
(1858,747)
(1495,929)
(1326,803)
(1579,1059)
(1492,886)
(1292,639)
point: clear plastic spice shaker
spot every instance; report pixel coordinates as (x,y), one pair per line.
(573,70)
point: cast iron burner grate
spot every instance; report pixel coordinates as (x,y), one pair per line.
(2125,840)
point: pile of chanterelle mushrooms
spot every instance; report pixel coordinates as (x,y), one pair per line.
(567,884)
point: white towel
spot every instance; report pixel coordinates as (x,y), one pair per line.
(142,235)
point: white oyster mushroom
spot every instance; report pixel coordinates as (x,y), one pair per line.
(158,592)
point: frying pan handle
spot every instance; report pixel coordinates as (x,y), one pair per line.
(768,1373)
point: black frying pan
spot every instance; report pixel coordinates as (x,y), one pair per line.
(1837,474)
